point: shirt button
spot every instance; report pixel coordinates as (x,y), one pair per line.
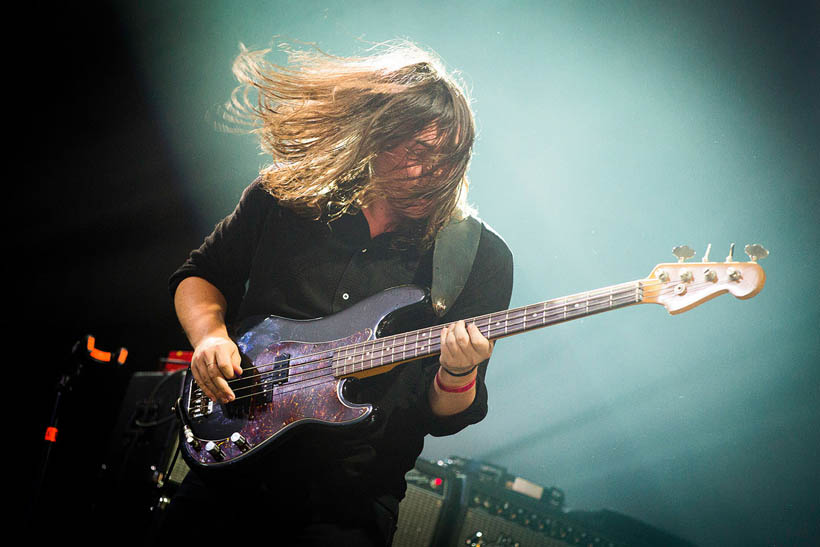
(345,296)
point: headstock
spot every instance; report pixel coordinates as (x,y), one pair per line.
(680,286)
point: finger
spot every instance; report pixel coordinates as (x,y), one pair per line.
(219,375)
(470,354)
(223,391)
(203,379)
(453,357)
(230,360)
(236,361)
(462,336)
(224,360)
(452,346)
(449,347)
(482,346)
(206,371)
(460,354)
(445,352)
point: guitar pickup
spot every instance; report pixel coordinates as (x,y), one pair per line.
(272,375)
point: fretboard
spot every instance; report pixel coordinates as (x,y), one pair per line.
(427,342)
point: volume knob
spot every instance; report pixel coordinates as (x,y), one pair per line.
(194,443)
(214,450)
(240,442)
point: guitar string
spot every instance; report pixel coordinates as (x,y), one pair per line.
(351,349)
(327,371)
(511,321)
(510,313)
(322,372)
(435,341)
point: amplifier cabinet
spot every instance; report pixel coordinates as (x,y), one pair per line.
(430,506)
(495,515)
(143,445)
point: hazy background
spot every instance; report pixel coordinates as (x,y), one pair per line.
(609,133)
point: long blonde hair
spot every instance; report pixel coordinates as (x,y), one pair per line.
(323,119)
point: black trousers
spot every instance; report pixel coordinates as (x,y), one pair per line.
(262,512)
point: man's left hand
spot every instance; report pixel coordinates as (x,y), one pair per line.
(463,347)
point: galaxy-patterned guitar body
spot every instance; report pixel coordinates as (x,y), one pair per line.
(294,371)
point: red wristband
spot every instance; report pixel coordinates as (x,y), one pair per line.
(460,389)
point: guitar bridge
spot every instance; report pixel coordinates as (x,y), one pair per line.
(199,404)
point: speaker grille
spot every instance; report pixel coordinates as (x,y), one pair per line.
(419,514)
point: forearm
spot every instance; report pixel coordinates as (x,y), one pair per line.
(463,348)
(201,308)
(447,394)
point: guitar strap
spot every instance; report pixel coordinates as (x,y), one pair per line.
(453,255)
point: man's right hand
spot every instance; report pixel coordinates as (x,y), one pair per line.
(216,360)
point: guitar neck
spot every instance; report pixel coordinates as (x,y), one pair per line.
(382,354)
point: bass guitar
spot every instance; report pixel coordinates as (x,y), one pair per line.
(294,370)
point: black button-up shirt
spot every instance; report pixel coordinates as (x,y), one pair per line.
(267,260)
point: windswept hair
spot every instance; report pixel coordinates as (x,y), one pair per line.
(323,119)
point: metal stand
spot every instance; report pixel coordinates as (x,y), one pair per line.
(82,353)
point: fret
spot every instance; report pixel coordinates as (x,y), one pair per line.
(377,352)
(349,361)
(337,356)
(420,346)
(386,359)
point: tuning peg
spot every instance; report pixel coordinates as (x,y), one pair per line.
(706,254)
(730,257)
(756,252)
(683,252)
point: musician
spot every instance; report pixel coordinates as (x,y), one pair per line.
(369,161)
